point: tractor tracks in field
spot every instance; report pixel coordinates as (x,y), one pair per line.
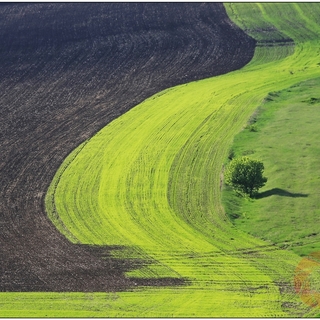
(67,71)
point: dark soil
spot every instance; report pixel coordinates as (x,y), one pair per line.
(67,70)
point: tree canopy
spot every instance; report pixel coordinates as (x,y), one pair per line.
(245,175)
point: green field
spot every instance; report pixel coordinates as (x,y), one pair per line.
(286,140)
(151,182)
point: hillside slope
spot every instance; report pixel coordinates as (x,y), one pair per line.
(67,70)
(150,183)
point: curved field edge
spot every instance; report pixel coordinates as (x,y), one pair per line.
(67,70)
(162,191)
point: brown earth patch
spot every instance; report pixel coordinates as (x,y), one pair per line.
(67,70)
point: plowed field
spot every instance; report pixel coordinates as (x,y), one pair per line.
(149,183)
(67,70)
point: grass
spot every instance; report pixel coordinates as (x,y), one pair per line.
(151,179)
(287,209)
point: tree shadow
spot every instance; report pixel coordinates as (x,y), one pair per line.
(280,192)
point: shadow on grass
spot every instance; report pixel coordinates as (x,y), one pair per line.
(121,259)
(280,192)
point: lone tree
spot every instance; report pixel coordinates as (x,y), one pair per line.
(245,175)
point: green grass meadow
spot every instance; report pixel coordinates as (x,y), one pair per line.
(151,180)
(285,137)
